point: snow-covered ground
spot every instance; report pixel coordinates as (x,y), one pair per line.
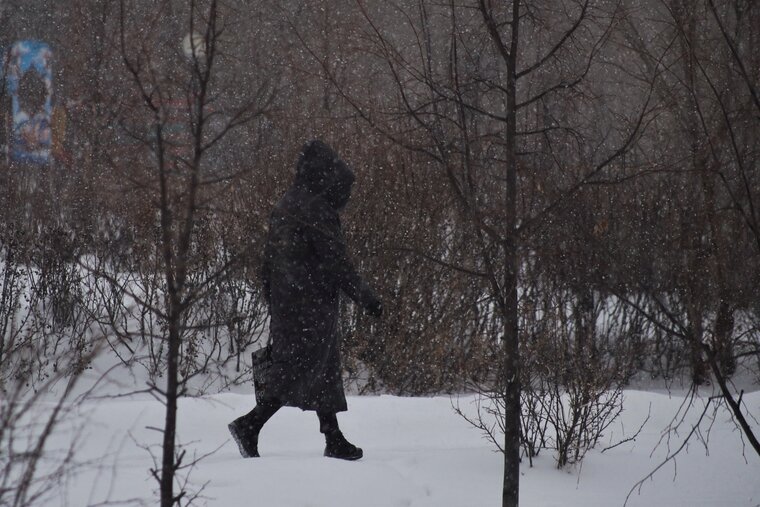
(418,452)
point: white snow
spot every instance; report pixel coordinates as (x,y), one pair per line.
(418,453)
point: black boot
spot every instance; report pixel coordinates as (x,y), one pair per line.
(338,447)
(246,436)
(245,430)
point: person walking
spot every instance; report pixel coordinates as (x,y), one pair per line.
(305,267)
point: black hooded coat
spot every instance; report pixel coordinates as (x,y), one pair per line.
(305,268)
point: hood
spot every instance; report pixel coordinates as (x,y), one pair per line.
(321,171)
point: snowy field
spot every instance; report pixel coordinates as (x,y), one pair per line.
(418,453)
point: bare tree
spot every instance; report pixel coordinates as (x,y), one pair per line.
(709,96)
(177,169)
(464,100)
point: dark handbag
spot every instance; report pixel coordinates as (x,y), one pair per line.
(261,363)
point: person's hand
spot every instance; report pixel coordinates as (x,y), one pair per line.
(375,308)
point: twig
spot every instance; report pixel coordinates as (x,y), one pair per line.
(670,456)
(635,435)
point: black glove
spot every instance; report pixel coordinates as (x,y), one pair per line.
(375,308)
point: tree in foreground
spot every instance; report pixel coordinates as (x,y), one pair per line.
(182,106)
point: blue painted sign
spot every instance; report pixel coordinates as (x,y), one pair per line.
(29,78)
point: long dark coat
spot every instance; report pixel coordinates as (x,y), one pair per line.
(305,267)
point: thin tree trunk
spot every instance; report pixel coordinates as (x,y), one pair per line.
(511,491)
(168,465)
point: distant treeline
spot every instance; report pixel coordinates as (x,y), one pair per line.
(634,224)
